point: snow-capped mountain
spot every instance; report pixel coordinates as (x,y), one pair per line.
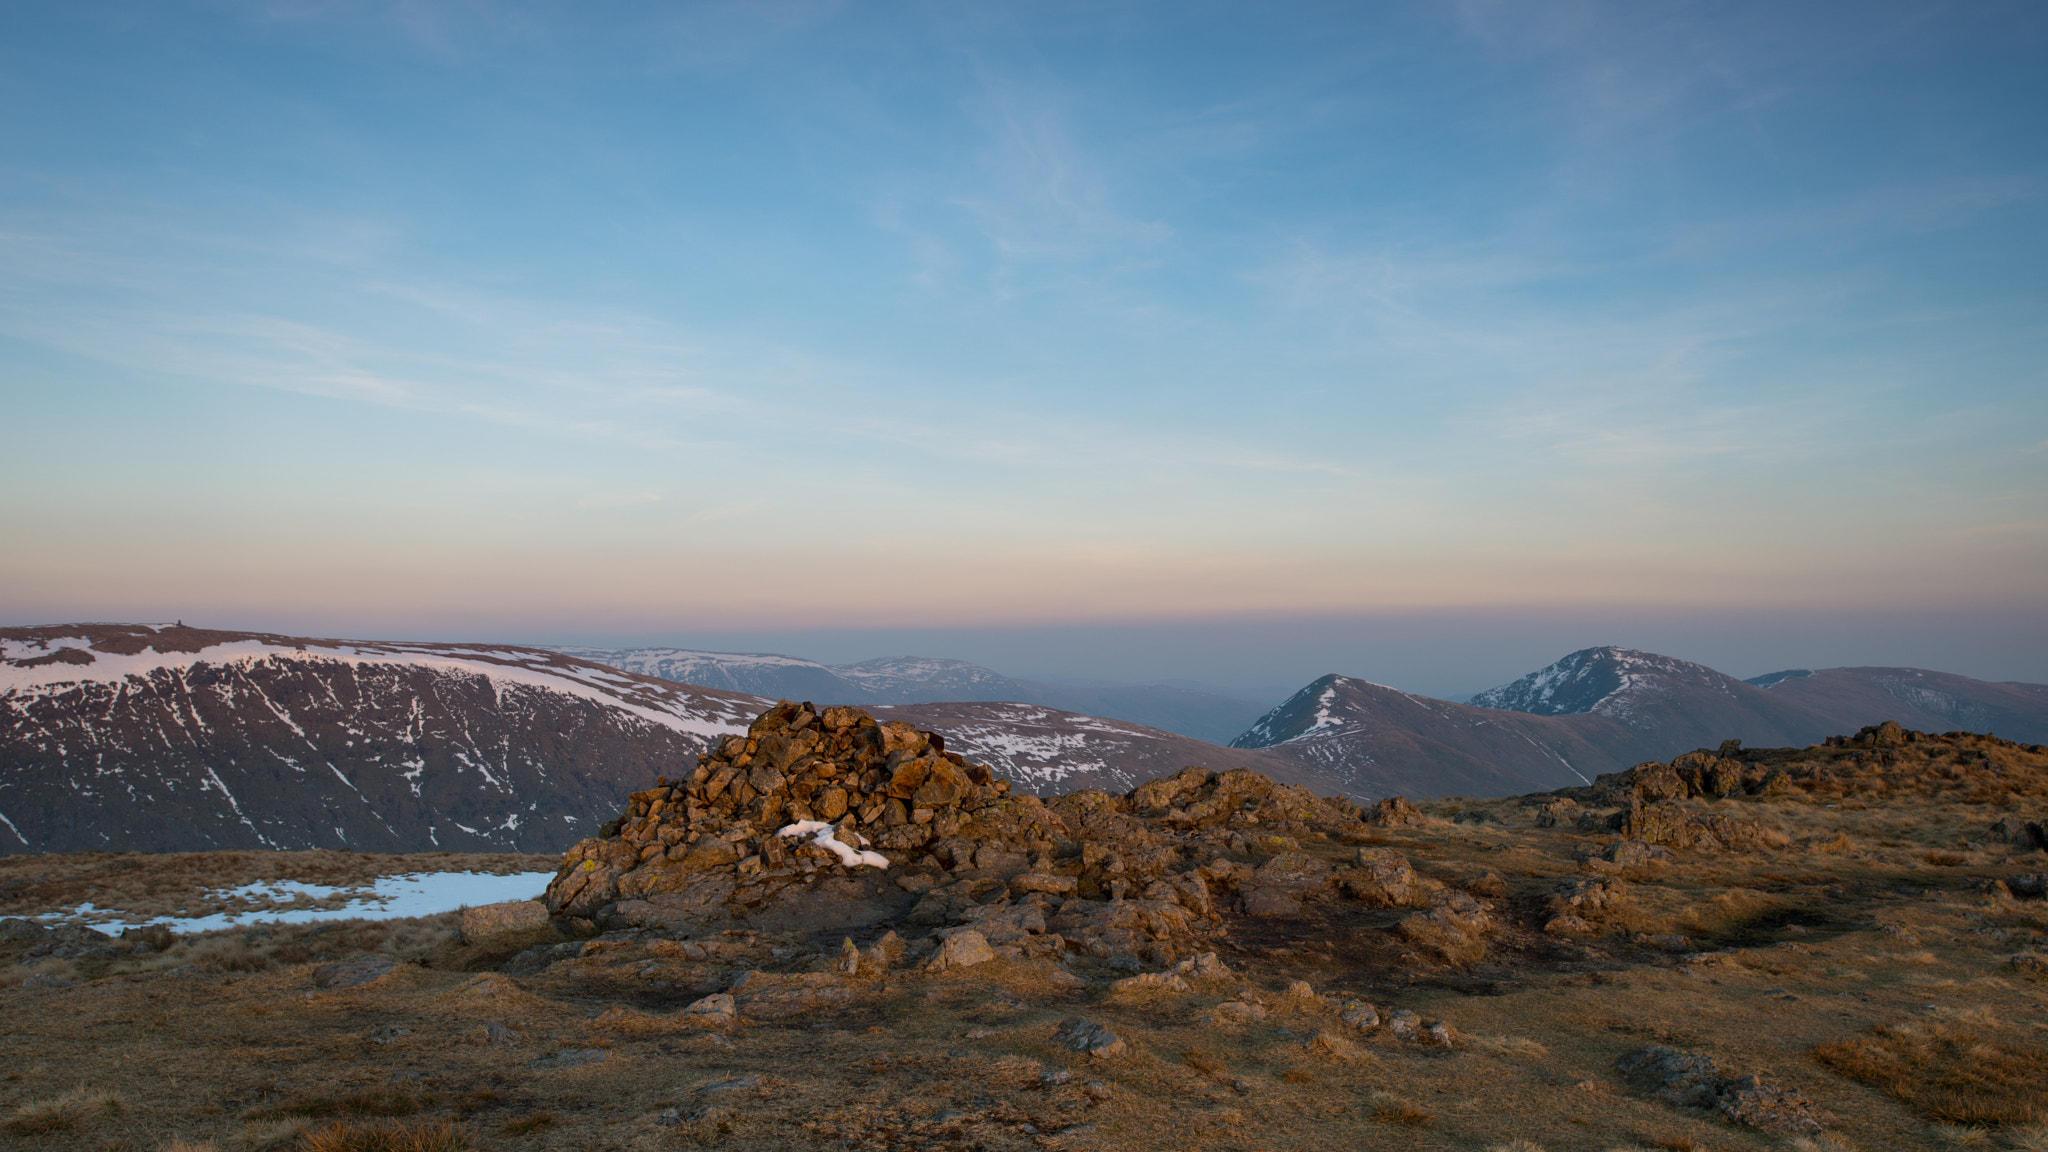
(166,738)
(1204,715)
(1673,704)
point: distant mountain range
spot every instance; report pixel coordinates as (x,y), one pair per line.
(1605,709)
(136,737)
(160,738)
(1188,711)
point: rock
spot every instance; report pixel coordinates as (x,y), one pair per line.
(1380,876)
(1633,853)
(2026,835)
(490,919)
(1689,1079)
(1394,812)
(2028,885)
(571,1058)
(1569,925)
(1043,882)
(772,996)
(719,1008)
(1404,1025)
(1055,1077)
(1664,942)
(1203,967)
(1230,1013)
(15,930)
(353,973)
(1272,904)
(1097,1091)
(963,949)
(1093,1039)
(73,942)
(1442,1034)
(2035,963)
(1360,1015)
(495,1033)
(48,983)
(1150,982)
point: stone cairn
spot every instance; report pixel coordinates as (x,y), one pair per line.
(828,819)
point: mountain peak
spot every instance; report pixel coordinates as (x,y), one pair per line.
(1592,680)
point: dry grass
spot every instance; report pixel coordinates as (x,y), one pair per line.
(1955,1073)
(1393,1110)
(531,1122)
(365,1102)
(2028,1138)
(60,1113)
(440,1136)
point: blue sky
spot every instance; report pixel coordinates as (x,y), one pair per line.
(548,321)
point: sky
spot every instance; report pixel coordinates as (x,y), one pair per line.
(1228,342)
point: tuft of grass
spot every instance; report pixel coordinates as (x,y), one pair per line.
(1953,1073)
(59,1113)
(1393,1110)
(1516,1145)
(2028,1138)
(356,1136)
(531,1122)
(1202,1061)
(1967,1135)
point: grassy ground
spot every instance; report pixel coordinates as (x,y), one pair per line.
(1857,960)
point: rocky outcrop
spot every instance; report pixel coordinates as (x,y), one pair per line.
(822,819)
(1688,1079)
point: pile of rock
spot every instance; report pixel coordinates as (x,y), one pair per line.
(826,820)
(1689,1079)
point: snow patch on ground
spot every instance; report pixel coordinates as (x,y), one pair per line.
(391,898)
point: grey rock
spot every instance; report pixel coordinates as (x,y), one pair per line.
(1093,1039)
(1690,1079)
(1405,1025)
(1360,1015)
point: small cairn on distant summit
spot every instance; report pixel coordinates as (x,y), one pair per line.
(822,820)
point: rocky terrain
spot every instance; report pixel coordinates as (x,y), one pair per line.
(837,932)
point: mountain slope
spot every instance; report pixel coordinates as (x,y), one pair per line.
(1672,705)
(1850,698)
(153,738)
(1379,741)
